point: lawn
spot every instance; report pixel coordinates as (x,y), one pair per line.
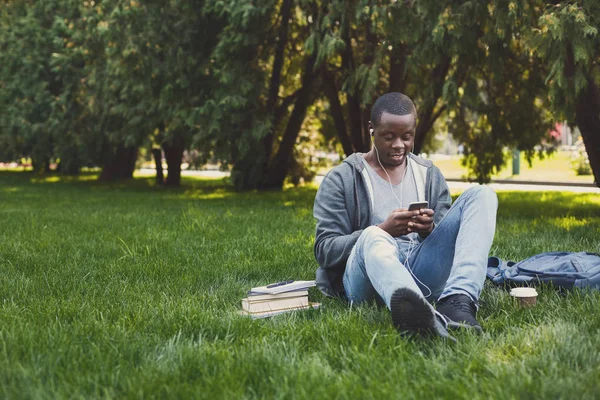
(553,168)
(129,291)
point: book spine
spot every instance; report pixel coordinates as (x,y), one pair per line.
(262,297)
(267,314)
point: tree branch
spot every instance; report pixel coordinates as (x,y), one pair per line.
(283,106)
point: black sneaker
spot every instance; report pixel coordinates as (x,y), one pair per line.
(411,314)
(460,310)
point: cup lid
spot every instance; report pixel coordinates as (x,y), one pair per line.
(523,292)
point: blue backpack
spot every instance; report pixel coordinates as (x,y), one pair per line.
(561,269)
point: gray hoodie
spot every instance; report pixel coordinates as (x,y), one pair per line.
(343,208)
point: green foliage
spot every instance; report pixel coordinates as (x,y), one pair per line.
(155,71)
(463,61)
(559,28)
(85,79)
(566,39)
(32,85)
(82,82)
(261,101)
(500,100)
(233,115)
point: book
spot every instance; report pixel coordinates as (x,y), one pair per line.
(274,304)
(281,287)
(267,314)
(262,297)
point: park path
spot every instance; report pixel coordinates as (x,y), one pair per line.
(454,185)
(529,186)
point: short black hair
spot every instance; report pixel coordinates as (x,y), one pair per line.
(394,103)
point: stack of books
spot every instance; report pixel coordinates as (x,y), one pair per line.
(277,298)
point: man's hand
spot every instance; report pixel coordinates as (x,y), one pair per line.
(422,222)
(397,223)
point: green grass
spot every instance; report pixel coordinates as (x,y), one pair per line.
(127,291)
(554,168)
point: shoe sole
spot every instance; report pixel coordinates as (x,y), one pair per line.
(412,315)
(461,325)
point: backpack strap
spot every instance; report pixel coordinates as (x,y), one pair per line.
(496,269)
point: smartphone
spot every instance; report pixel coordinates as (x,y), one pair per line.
(417,205)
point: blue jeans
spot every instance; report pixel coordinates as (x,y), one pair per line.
(451,260)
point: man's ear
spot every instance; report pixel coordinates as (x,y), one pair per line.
(371,129)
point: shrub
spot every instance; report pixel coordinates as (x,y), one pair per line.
(579,160)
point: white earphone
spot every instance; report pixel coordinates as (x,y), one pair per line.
(413,244)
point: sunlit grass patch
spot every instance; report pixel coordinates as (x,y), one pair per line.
(569,223)
(55,178)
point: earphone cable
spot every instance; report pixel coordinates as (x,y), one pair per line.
(399,200)
(412,243)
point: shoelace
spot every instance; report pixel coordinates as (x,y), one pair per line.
(464,306)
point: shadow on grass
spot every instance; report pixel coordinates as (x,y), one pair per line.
(90,180)
(521,205)
(192,188)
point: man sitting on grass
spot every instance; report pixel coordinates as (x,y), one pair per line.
(370,247)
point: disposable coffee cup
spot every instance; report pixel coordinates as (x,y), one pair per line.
(525,296)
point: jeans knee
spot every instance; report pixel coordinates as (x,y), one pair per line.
(374,233)
(484,194)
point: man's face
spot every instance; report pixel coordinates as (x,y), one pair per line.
(394,138)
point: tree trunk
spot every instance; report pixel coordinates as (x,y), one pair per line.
(40,165)
(353,110)
(69,165)
(157,153)
(280,165)
(40,154)
(427,116)
(337,113)
(248,166)
(251,169)
(120,164)
(173,155)
(357,130)
(587,116)
(366,117)
(397,69)
(275,79)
